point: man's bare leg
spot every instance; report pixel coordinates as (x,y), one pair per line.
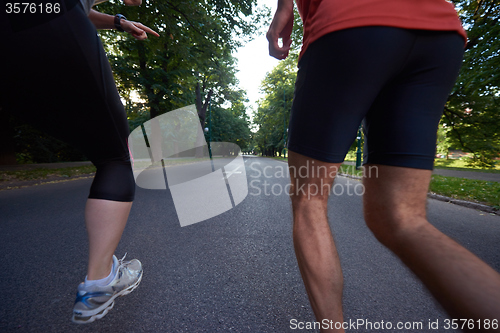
(105,221)
(395,211)
(313,242)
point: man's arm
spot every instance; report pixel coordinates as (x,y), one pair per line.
(281,27)
(105,21)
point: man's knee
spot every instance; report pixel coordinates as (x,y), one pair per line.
(301,193)
(391,224)
(380,223)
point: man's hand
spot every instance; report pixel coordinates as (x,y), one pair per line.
(138,30)
(281,27)
(132,2)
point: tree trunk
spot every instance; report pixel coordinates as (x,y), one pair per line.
(201,107)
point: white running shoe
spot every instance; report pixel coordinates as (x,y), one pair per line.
(94,302)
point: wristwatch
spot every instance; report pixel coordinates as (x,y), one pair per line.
(118,18)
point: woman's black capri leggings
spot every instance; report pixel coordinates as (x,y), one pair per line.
(56,76)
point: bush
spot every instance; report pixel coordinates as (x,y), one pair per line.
(34,146)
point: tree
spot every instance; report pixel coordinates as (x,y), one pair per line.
(471,119)
(273,112)
(228,125)
(190,61)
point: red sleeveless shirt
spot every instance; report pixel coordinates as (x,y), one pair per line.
(321,17)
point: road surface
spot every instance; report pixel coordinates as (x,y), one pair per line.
(235,272)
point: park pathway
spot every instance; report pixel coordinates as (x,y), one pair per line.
(235,272)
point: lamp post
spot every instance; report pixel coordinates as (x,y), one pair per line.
(210,128)
(284,121)
(358,151)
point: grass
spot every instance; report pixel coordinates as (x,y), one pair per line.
(42,173)
(461,165)
(33,174)
(480,191)
(37,174)
(455,164)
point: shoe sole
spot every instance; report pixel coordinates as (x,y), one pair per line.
(107,306)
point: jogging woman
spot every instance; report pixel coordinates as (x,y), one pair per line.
(55,75)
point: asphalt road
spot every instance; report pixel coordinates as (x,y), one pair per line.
(235,272)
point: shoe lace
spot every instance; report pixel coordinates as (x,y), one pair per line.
(122,260)
(122,264)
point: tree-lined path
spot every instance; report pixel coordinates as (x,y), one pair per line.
(233,273)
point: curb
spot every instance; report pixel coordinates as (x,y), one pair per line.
(443,198)
(464,203)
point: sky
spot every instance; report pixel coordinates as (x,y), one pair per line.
(254,61)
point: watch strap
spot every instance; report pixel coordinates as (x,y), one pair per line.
(118,18)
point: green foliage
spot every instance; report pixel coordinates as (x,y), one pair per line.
(194,48)
(228,126)
(190,63)
(486,192)
(35,146)
(137,114)
(297,32)
(42,173)
(273,112)
(443,141)
(471,119)
(467,189)
(461,165)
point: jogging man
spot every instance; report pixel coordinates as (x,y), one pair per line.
(392,63)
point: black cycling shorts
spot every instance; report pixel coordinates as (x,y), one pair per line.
(397,80)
